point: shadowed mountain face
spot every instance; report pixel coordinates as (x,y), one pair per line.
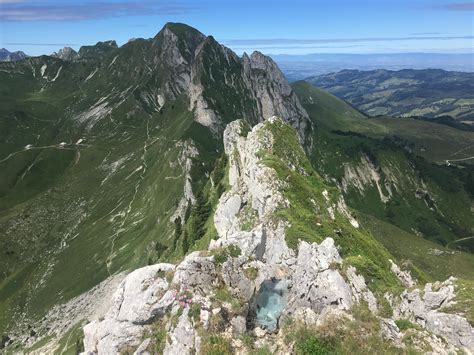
(7,56)
(429,93)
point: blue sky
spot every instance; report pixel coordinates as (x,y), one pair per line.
(274,27)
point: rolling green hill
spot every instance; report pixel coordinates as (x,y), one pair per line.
(429,93)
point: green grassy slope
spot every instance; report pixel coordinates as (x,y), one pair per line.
(434,142)
(308,215)
(425,201)
(72,215)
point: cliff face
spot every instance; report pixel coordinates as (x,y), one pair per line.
(250,281)
(219,85)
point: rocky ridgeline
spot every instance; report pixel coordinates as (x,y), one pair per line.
(253,79)
(251,251)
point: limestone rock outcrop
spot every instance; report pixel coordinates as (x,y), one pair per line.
(268,280)
(141,296)
(425,307)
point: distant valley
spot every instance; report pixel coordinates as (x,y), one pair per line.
(429,93)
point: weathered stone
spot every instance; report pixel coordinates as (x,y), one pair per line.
(389,330)
(404,276)
(142,348)
(455,328)
(305,316)
(359,288)
(236,280)
(238,326)
(141,296)
(138,296)
(205,316)
(259,332)
(196,273)
(181,339)
(316,285)
(426,309)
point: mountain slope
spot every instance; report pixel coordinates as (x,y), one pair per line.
(386,176)
(7,56)
(131,158)
(406,93)
(256,276)
(101,155)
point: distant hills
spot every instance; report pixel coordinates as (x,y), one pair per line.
(7,56)
(297,67)
(429,93)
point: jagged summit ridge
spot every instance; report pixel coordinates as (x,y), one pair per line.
(219,85)
(199,62)
(7,56)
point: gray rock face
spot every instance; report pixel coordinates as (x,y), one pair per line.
(315,285)
(66,53)
(404,276)
(426,309)
(188,151)
(238,326)
(182,339)
(196,273)
(359,288)
(141,297)
(274,94)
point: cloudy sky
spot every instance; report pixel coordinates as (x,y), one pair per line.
(272,26)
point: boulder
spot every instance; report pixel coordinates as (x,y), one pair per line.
(196,273)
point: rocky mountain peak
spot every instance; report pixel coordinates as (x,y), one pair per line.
(97,51)
(178,38)
(7,56)
(210,73)
(66,53)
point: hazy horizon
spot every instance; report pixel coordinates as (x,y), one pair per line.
(272,27)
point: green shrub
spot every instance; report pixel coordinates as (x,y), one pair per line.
(159,337)
(194,312)
(216,345)
(262,351)
(223,295)
(222,254)
(308,343)
(404,324)
(248,340)
(234,251)
(251,273)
